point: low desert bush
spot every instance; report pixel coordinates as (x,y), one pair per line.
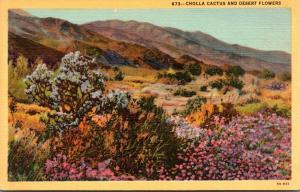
(12,105)
(86,141)
(214,70)
(285,76)
(235,71)
(16,73)
(184,93)
(230,81)
(183,77)
(116,69)
(202,115)
(203,88)
(251,108)
(180,77)
(194,104)
(119,76)
(282,111)
(26,157)
(266,74)
(194,69)
(234,82)
(140,139)
(218,84)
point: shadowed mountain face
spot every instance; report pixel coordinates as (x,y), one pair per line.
(132,43)
(63,36)
(18,45)
(197,44)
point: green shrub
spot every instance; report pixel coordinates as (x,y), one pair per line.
(230,81)
(235,82)
(16,73)
(181,77)
(281,111)
(193,104)
(16,88)
(142,140)
(286,76)
(214,70)
(218,84)
(184,93)
(251,108)
(235,71)
(119,76)
(160,75)
(12,105)
(21,66)
(266,74)
(116,69)
(88,143)
(26,158)
(203,88)
(194,69)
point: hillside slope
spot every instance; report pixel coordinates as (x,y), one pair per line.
(197,44)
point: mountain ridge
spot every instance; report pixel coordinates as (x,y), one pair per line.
(142,44)
(203,39)
(248,58)
(65,36)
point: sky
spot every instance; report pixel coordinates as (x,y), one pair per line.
(265,29)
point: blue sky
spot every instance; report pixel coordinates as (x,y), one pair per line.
(265,29)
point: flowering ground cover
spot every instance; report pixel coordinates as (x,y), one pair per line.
(250,147)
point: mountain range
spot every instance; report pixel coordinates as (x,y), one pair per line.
(133,43)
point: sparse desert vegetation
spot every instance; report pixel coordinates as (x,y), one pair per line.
(78,123)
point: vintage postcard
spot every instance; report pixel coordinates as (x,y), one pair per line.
(108,95)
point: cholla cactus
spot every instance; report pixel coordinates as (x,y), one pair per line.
(39,85)
(120,99)
(77,88)
(73,93)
